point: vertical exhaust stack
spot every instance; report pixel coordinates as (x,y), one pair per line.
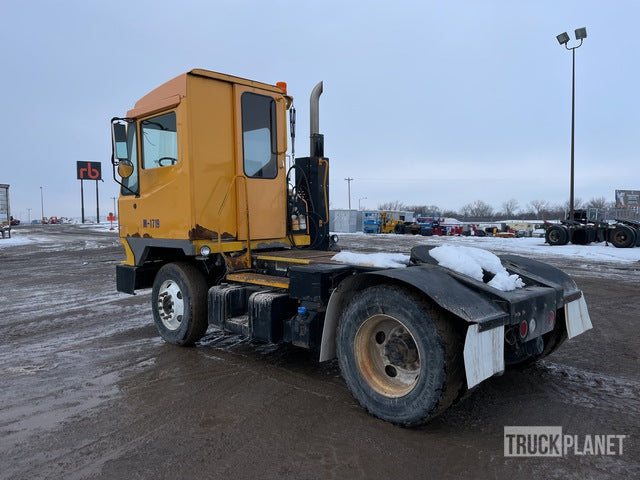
(312,179)
(316,147)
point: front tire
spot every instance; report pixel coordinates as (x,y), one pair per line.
(400,357)
(179,303)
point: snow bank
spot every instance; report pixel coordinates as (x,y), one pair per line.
(14,240)
(472,261)
(381,260)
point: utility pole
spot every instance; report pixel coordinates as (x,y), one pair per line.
(349,180)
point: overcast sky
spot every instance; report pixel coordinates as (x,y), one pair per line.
(425,102)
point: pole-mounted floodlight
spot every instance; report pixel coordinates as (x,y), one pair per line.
(563,39)
(581,33)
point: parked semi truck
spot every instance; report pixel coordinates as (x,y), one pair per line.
(225,235)
(581,230)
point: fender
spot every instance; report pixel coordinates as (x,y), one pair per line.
(433,281)
(543,274)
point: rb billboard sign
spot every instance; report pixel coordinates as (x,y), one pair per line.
(89,170)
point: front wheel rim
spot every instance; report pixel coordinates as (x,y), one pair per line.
(170,305)
(387,356)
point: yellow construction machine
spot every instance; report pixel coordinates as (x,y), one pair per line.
(231,233)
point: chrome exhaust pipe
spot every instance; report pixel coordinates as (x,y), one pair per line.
(316,147)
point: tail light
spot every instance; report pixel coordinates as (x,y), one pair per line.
(524,329)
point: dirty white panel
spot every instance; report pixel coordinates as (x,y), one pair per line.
(577,316)
(483,354)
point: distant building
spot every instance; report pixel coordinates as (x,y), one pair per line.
(345,221)
(5,210)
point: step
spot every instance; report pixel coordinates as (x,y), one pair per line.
(259,279)
(238,325)
(299,257)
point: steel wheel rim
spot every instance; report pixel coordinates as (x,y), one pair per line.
(621,237)
(387,356)
(170,305)
(554,236)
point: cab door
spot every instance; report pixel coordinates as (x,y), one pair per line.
(260,177)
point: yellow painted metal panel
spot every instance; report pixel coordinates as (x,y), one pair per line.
(211,134)
(258,279)
(262,200)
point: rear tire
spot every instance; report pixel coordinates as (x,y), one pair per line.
(179,303)
(623,236)
(556,235)
(400,357)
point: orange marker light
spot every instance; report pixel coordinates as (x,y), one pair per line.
(282,86)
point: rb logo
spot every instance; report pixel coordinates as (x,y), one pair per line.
(89,170)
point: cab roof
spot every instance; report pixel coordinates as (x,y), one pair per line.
(170,93)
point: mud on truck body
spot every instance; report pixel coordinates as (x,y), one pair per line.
(225,235)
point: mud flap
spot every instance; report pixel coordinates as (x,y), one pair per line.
(483,354)
(577,316)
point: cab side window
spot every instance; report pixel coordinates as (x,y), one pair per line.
(259,147)
(159,141)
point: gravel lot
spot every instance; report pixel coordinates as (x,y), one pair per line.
(89,390)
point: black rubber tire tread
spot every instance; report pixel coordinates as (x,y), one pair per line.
(438,388)
(623,236)
(194,289)
(556,235)
(580,236)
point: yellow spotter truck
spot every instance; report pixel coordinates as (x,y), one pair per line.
(228,235)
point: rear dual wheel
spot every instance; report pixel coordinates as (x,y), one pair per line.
(623,236)
(556,235)
(400,358)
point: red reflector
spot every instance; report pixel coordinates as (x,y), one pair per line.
(552,318)
(524,328)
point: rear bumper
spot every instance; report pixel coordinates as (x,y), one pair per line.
(484,349)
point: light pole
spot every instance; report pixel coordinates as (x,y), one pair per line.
(29,213)
(41,205)
(359,200)
(349,180)
(563,39)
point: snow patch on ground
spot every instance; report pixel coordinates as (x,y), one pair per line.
(15,240)
(472,261)
(380,260)
(527,246)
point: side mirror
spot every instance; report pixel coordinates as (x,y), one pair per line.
(119,134)
(125,168)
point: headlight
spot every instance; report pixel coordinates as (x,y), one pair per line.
(205,251)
